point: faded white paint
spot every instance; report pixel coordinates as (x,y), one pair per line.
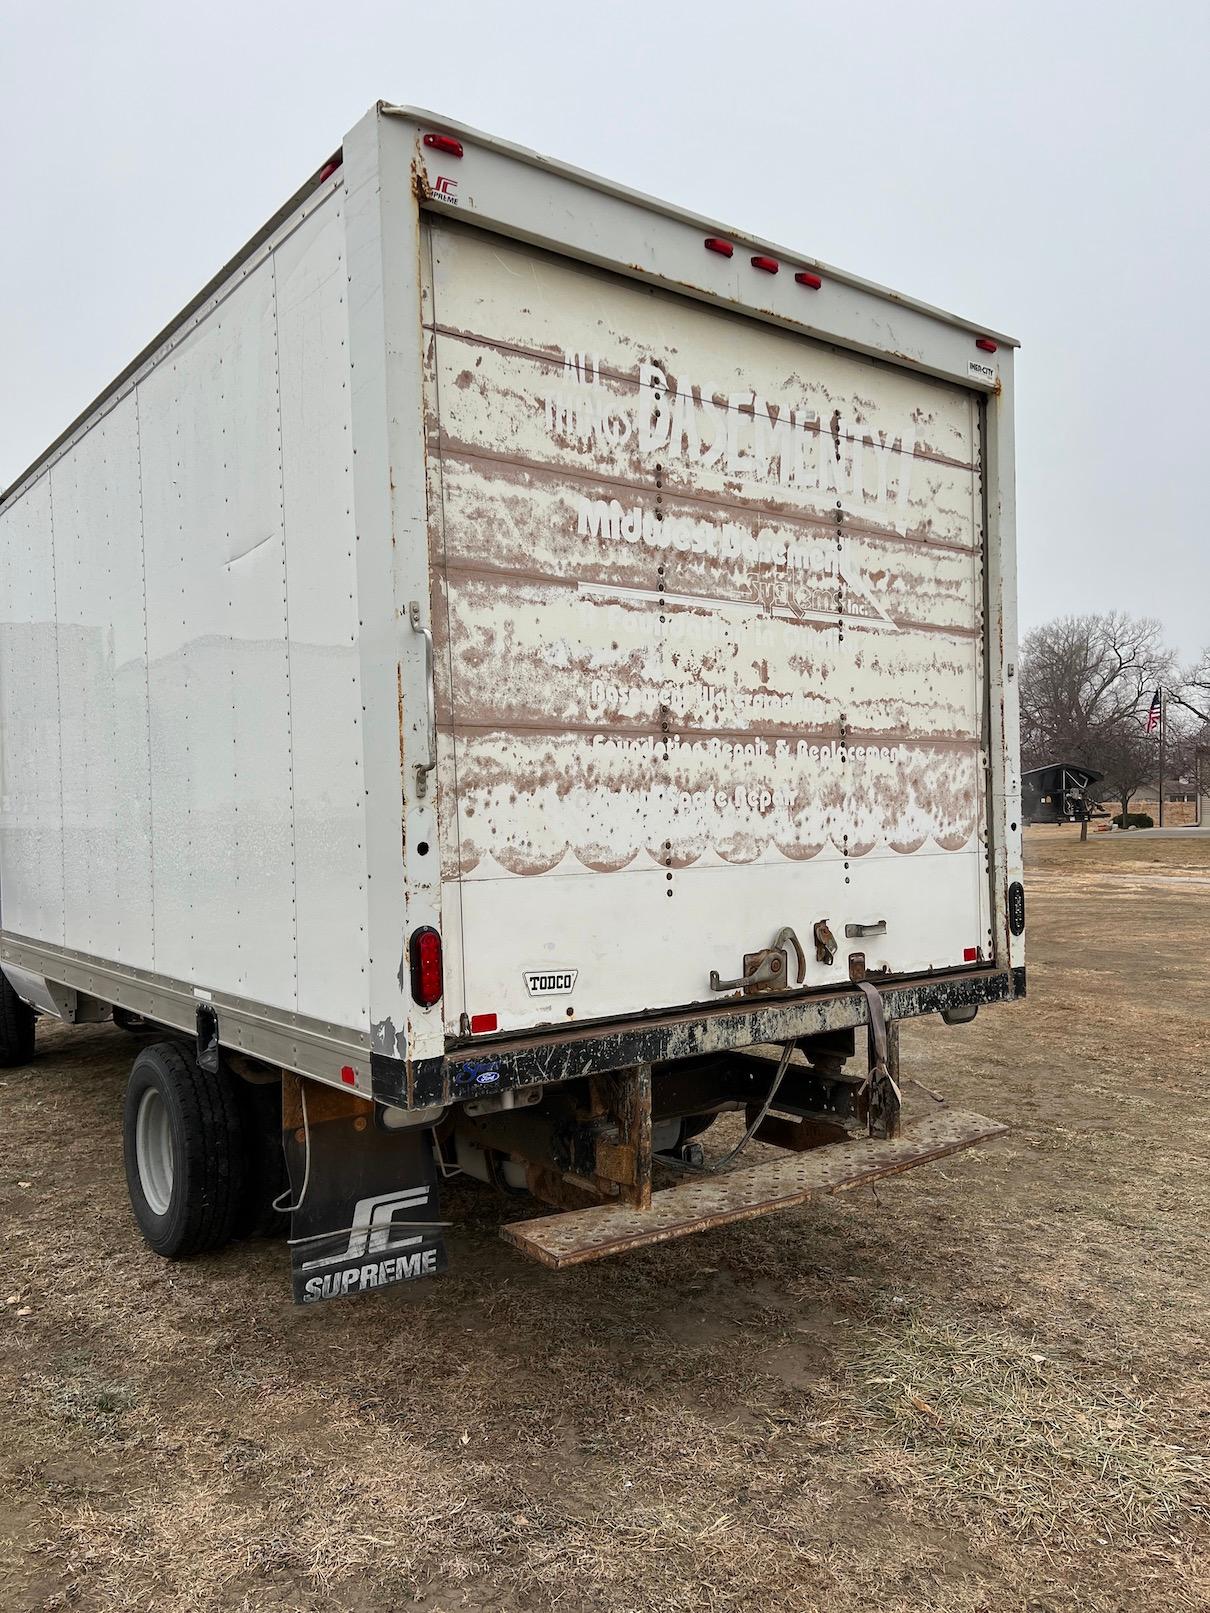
(712,650)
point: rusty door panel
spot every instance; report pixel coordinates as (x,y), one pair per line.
(707,600)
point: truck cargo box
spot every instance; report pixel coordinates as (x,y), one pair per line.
(506,630)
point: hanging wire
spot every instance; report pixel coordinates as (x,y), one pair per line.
(718,1164)
(289,1209)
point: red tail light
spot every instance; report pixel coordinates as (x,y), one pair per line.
(715,243)
(444,142)
(985,344)
(425,953)
(769,265)
(806,278)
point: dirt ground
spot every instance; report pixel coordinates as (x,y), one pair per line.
(983,1388)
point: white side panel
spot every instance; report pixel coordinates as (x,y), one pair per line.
(192,703)
(31,802)
(102,674)
(261,832)
(325,668)
(195,619)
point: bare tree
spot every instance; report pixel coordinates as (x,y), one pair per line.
(1194,694)
(1129,758)
(1084,679)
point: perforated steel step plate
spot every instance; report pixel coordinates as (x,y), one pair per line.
(741,1194)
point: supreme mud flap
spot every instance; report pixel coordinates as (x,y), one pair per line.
(363,1198)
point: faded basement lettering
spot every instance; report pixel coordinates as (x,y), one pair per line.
(773,442)
(814,561)
(698,700)
(744,750)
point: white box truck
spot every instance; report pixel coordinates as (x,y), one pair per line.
(513,671)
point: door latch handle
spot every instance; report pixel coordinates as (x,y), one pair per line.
(825,942)
(856,931)
(423,769)
(765,970)
(779,940)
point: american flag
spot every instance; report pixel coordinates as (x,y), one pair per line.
(1153,716)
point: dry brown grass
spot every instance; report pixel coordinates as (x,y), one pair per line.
(1059,847)
(982,1390)
(1003,1438)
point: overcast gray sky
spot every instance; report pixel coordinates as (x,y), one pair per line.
(1038,167)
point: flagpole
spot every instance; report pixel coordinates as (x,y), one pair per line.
(1163,737)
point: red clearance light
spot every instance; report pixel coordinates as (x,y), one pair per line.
(425,952)
(715,243)
(804,277)
(769,265)
(348,1075)
(481,1023)
(444,142)
(985,344)
(970,955)
(329,167)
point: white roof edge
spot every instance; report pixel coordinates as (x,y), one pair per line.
(711,226)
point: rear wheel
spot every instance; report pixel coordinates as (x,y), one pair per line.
(16,1027)
(185,1152)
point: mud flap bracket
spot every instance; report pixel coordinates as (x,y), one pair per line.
(879,1100)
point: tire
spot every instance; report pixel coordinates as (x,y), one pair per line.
(16,1027)
(185,1149)
(265,1174)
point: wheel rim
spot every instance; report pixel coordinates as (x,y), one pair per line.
(153,1151)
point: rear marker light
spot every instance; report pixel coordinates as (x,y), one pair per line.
(425,952)
(985,344)
(444,142)
(481,1023)
(715,243)
(970,955)
(329,168)
(1016,907)
(769,265)
(348,1075)
(804,277)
